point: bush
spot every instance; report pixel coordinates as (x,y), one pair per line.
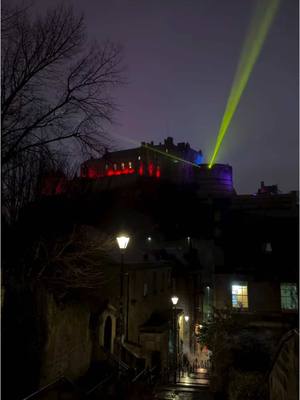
(246,386)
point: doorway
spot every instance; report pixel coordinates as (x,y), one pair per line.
(156,360)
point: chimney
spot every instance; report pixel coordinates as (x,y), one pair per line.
(169,142)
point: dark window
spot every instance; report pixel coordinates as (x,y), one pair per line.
(154,282)
(163,281)
(145,289)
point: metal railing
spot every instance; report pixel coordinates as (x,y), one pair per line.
(146,374)
(112,357)
(101,384)
(55,384)
(139,375)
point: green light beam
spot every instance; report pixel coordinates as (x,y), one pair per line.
(258,30)
(170,155)
(149,147)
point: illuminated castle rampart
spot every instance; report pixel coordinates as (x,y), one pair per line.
(167,161)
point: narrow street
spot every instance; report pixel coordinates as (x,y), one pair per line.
(192,387)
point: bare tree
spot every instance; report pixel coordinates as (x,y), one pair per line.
(55,87)
(78,260)
(31,176)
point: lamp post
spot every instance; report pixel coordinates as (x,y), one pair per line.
(174,300)
(122,241)
(188,333)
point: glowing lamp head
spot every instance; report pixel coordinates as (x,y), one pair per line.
(149,238)
(186,317)
(123,242)
(174,300)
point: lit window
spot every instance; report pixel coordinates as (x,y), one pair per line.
(239,292)
(289,296)
(115,166)
(122,165)
(130,164)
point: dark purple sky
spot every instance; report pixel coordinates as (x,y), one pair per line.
(181,57)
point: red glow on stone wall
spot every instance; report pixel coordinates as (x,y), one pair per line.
(141,169)
(158,172)
(92,173)
(59,187)
(150,169)
(125,171)
(52,185)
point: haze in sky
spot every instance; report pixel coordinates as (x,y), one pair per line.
(181,57)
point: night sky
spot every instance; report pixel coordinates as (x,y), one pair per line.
(181,57)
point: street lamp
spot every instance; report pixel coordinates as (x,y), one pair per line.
(174,300)
(122,241)
(188,331)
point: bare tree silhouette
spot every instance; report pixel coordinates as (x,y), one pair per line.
(55,90)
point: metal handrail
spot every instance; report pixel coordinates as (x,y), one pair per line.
(113,357)
(144,372)
(139,375)
(51,386)
(100,384)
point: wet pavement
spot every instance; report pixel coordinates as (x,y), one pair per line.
(192,387)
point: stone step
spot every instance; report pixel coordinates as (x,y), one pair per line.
(181,387)
(179,392)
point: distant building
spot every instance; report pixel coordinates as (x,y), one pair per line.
(147,160)
(168,161)
(272,189)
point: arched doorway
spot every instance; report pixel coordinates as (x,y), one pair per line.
(107,333)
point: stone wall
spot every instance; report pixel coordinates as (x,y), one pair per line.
(155,342)
(68,345)
(284,376)
(145,298)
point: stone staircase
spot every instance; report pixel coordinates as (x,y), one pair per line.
(192,386)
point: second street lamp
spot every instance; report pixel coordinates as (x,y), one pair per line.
(122,241)
(174,300)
